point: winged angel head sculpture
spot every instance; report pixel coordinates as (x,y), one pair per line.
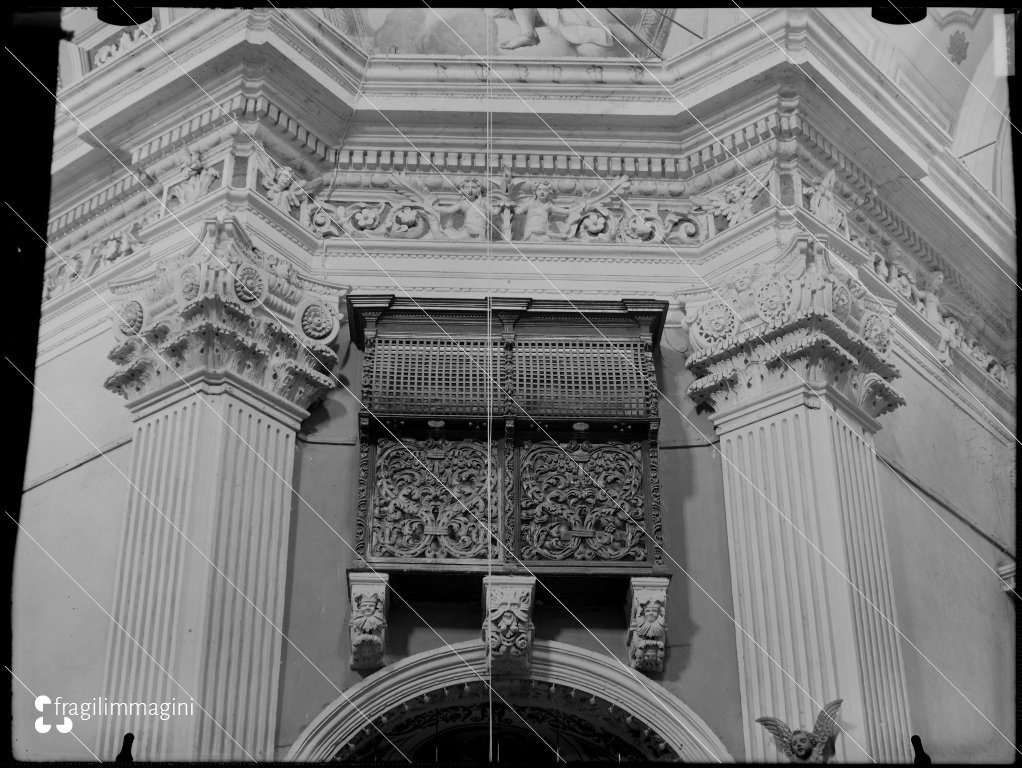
(802,746)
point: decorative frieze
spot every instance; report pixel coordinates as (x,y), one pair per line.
(120,44)
(84,265)
(225,308)
(955,342)
(647,623)
(369,600)
(507,627)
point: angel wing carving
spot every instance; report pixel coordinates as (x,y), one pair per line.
(283,188)
(780,731)
(734,201)
(800,746)
(825,730)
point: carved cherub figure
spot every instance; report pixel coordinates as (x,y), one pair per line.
(367,617)
(283,188)
(473,205)
(197,177)
(822,204)
(802,746)
(538,211)
(734,202)
(931,296)
(647,636)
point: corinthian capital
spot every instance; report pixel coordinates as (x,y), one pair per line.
(222,310)
(798,320)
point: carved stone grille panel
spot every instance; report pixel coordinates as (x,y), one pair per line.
(580,377)
(582,501)
(414,515)
(435,376)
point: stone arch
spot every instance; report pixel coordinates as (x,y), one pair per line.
(552,662)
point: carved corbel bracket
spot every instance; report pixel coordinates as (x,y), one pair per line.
(369,600)
(647,622)
(507,625)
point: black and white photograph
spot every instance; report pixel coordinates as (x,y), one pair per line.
(459,386)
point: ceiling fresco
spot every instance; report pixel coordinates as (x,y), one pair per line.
(525,32)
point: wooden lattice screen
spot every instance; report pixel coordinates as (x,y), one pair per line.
(436,377)
(579,378)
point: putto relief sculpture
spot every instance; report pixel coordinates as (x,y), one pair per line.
(538,212)
(368,622)
(416,206)
(475,210)
(198,177)
(647,625)
(801,746)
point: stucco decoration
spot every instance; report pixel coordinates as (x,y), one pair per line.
(573,673)
(430,499)
(225,309)
(507,627)
(803,746)
(582,501)
(369,598)
(958,47)
(734,202)
(926,299)
(800,318)
(198,177)
(403,205)
(122,43)
(647,623)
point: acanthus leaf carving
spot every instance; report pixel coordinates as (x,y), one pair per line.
(508,629)
(430,499)
(582,501)
(224,308)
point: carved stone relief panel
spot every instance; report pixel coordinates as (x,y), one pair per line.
(431,498)
(582,500)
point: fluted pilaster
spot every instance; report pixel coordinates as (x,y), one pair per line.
(219,355)
(796,390)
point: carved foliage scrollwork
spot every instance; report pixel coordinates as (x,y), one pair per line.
(431,497)
(582,500)
(507,627)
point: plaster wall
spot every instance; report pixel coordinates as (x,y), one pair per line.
(948,598)
(60,625)
(73,399)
